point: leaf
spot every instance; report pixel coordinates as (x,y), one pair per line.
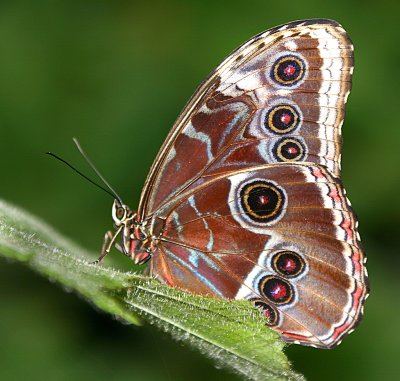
(232,333)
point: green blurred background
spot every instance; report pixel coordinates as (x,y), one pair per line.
(116,74)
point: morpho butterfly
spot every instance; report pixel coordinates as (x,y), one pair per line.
(244,199)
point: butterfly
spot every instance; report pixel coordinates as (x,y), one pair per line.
(244,199)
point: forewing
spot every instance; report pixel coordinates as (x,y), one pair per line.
(280,97)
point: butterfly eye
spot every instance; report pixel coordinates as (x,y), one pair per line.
(120,212)
(282,119)
(289,150)
(288,70)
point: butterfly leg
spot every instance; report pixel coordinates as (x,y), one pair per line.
(108,243)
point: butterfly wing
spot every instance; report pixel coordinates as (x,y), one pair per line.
(244,198)
(282,235)
(280,97)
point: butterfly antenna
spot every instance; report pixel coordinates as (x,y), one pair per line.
(105,182)
(80,173)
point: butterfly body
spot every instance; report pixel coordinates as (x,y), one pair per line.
(245,201)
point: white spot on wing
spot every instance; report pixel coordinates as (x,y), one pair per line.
(199,214)
(192,133)
(290,45)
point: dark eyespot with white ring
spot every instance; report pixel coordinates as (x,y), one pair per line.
(289,149)
(282,119)
(288,263)
(262,201)
(277,290)
(288,70)
(270,313)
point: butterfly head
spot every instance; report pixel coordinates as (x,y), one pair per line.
(136,241)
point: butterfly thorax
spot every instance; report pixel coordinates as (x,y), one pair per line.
(139,237)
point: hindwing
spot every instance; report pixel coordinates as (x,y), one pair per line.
(282,235)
